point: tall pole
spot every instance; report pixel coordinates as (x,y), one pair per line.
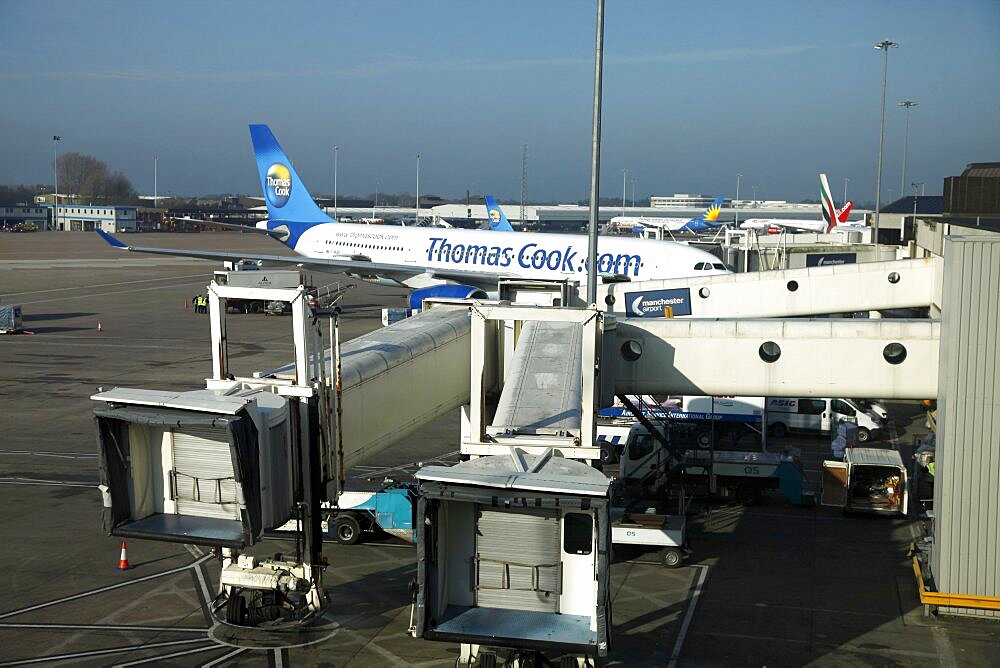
(624,177)
(883,46)
(524,178)
(846,179)
(417,217)
(336,152)
(633,193)
(55,169)
(595,158)
(735,205)
(907,105)
(155,198)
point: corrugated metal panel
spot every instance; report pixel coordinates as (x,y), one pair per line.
(517,558)
(204,484)
(966,555)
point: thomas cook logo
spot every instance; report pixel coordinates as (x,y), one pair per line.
(278,184)
(494,215)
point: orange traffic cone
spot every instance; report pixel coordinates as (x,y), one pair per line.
(123,560)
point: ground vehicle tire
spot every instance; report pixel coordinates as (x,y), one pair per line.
(671,557)
(346,530)
(704,439)
(864,435)
(254,307)
(608,454)
(778,429)
(747,494)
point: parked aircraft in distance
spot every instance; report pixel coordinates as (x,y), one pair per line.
(626,224)
(434,262)
(498,221)
(832,217)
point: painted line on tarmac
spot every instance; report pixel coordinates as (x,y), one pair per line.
(686,624)
(100,652)
(194,551)
(44,483)
(38,453)
(945,652)
(105,285)
(129,291)
(196,650)
(224,657)
(99,627)
(92,592)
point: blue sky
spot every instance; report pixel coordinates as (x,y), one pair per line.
(693,93)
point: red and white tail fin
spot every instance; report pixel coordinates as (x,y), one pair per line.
(830,213)
(845,212)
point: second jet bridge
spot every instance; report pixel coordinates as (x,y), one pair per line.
(547,392)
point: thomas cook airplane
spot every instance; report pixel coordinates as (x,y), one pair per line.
(433,262)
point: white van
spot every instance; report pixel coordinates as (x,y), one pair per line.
(819,416)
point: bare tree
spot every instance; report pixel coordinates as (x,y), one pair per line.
(90,178)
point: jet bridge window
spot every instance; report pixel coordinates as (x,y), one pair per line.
(578,533)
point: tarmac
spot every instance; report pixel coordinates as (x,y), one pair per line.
(770,585)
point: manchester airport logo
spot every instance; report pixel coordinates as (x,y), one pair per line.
(494,215)
(659,303)
(279,184)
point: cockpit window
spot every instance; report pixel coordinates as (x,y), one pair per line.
(701,266)
(719,266)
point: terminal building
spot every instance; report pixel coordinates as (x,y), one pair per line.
(87,218)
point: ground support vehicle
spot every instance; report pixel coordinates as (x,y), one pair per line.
(869,480)
(745,474)
(357,513)
(820,416)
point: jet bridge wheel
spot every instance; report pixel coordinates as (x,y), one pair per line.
(237,613)
(346,530)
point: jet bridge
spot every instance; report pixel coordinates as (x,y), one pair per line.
(847,288)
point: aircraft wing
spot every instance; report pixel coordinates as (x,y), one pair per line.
(397,272)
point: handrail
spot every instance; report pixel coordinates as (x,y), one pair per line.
(975,601)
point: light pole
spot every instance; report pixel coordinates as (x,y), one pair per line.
(55,191)
(914,186)
(416,220)
(375,203)
(738,177)
(907,105)
(633,193)
(883,46)
(624,176)
(336,151)
(595,158)
(845,189)
(155,199)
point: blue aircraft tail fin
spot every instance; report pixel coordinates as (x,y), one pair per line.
(498,221)
(707,220)
(287,197)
